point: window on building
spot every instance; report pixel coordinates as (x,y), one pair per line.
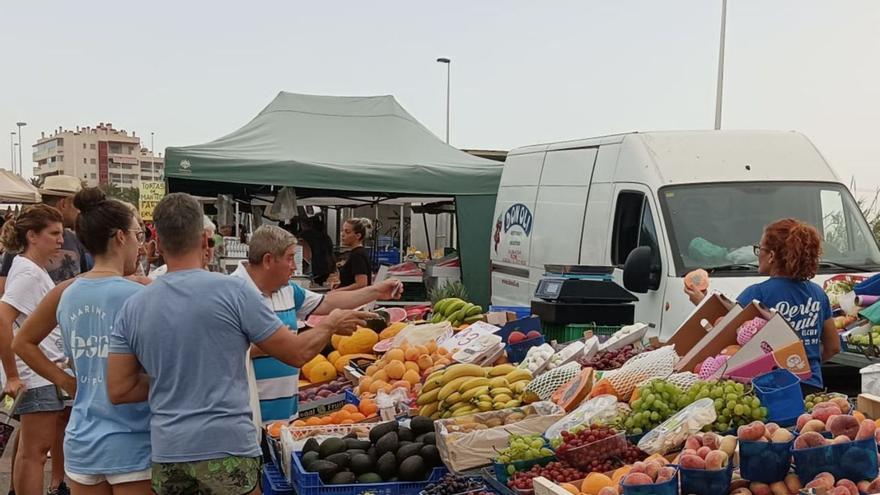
(129,149)
(93,161)
(84,160)
(92,146)
(94,176)
(60,158)
(115,148)
(84,145)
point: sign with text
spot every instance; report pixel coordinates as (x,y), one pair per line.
(150,194)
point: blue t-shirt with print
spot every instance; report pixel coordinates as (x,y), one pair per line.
(805,307)
(101,438)
(190,330)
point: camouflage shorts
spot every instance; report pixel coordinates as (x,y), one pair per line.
(226,476)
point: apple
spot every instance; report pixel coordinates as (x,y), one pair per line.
(516,337)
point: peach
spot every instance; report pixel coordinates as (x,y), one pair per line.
(728,445)
(813,425)
(778,488)
(692,462)
(637,479)
(824,410)
(760,488)
(802,420)
(770,429)
(849,485)
(652,468)
(638,467)
(716,459)
(693,442)
(711,440)
(840,439)
(740,491)
(781,435)
(666,473)
(809,440)
(793,483)
(845,425)
(866,430)
(609,490)
(752,431)
(703,451)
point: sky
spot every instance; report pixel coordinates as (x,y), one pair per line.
(523,72)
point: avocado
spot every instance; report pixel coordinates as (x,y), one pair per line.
(421,424)
(405,434)
(381,429)
(413,469)
(408,450)
(341,459)
(311,445)
(372,453)
(354,443)
(325,469)
(331,446)
(402,444)
(351,434)
(386,466)
(353,452)
(369,478)
(308,458)
(431,455)
(343,478)
(361,463)
(388,443)
(376,324)
(427,438)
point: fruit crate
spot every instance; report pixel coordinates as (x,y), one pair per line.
(575,331)
(502,473)
(306,483)
(362,429)
(517,352)
(856,460)
(600,450)
(486,488)
(274,482)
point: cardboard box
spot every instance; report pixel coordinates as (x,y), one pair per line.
(721,335)
(713,307)
(774,346)
(869,405)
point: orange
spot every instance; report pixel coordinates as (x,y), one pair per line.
(357,417)
(347,422)
(377,385)
(388,388)
(412,377)
(365,382)
(412,366)
(425,361)
(368,407)
(442,351)
(443,361)
(351,408)
(298,423)
(431,346)
(395,370)
(395,355)
(570,488)
(314,421)
(274,429)
(326,420)
(381,376)
(371,370)
(595,482)
(413,353)
(337,416)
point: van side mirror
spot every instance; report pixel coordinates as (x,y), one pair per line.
(640,273)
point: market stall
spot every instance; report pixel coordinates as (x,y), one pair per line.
(14,189)
(326,146)
(465,401)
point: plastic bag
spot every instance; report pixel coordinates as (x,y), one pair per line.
(284,206)
(682,380)
(674,431)
(601,408)
(621,382)
(742,255)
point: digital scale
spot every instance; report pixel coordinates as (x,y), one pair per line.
(582,294)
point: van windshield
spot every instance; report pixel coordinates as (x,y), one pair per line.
(716,225)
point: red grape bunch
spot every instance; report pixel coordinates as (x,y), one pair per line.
(557,471)
(609,360)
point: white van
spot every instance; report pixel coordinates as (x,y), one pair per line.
(693,199)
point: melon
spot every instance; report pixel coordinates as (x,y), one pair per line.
(395,315)
(697,280)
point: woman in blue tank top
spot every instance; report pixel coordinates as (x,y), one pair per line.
(106,446)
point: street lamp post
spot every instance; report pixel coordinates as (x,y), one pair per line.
(152,158)
(720,89)
(448,63)
(20,163)
(12,150)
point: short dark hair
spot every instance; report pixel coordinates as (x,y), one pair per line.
(179,223)
(99,219)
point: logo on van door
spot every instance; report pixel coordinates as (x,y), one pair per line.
(518,215)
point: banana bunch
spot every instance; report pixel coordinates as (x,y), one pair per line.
(456,311)
(463,389)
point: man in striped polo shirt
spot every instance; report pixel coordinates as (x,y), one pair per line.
(269,267)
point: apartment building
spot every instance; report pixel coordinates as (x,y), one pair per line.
(97,155)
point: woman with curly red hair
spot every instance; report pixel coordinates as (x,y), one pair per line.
(789,253)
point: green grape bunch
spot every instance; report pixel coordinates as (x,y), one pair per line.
(734,405)
(657,401)
(523,448)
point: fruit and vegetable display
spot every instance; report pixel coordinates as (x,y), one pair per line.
(600,415)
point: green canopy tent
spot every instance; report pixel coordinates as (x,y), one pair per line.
(347,146)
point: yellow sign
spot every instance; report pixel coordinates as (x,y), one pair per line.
(150,194)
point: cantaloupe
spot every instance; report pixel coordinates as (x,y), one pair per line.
(595,482)
(697,280)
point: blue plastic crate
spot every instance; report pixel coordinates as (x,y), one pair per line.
(517,352)
(306,483)
(705,481)
(780,392)
(856,460)
(765,462)
(520,311)
(274,482)
(666,488)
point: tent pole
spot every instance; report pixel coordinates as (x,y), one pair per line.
(400,235)
(338,224)
(427,237)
